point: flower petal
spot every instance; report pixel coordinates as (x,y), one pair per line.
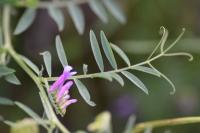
(69,102)
(62,91)
(57,83)
(67,69)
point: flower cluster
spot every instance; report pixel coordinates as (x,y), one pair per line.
(60,90)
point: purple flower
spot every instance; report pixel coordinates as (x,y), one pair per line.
(60,89)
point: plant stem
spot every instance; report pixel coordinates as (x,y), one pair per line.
(168,122)
(93,75)
(19,61)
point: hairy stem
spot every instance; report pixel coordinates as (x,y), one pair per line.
(168,122)
(19,61)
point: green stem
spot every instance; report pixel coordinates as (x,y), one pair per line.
(93,75)
(168,122)
(19,61)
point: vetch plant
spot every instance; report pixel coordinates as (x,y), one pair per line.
(55,97)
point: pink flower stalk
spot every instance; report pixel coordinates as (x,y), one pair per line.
(60,89)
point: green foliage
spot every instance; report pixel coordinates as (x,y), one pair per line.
(77,16)
(31,65)
(121,53)
(97,7)
(96,51)
(108,51)
(28,3)
(84,92)
(47,61)
(116,11)
(25,21)
(4,70)
(61,52)
(11,78)
(135,80)
(6,101)
(57,16)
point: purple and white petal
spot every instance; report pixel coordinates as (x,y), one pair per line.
(61,92)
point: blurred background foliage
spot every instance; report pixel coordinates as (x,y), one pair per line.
(137,37)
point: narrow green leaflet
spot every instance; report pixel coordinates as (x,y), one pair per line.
(47,61)
(96,51)
(25,21)
(130,124)
(31,65)
(61,52)
(121,53)
(77,16)
(118,78)
(136,81)
(57,15)
(85,69)
(6,101)
(147,70)
(11,78)
(98,9)
(115,10)
(4,70)
(108,51)
(104,76)
(9,123)
(30,112)
(84,92)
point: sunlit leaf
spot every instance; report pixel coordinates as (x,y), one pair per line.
(130,124)
(26,125)
(4,70)
(147,70)
(25,21)
(61,52)
(47,61)
(31,65)
(77,16)
(6,101)
(108,51)
(121,53)
(118,78)
(99,10)
(30,112)
(57,15)
(11,78)
(85,68)
(115,10)
(136,81)
(96,51)
(84,92)
(101,124)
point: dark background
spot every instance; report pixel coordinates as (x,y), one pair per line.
(137,37)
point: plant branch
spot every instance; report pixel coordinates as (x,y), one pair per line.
(59,4)
(93,75)
(20,62)
(168,122)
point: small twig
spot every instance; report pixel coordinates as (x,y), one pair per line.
(168,122)
(60,4)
